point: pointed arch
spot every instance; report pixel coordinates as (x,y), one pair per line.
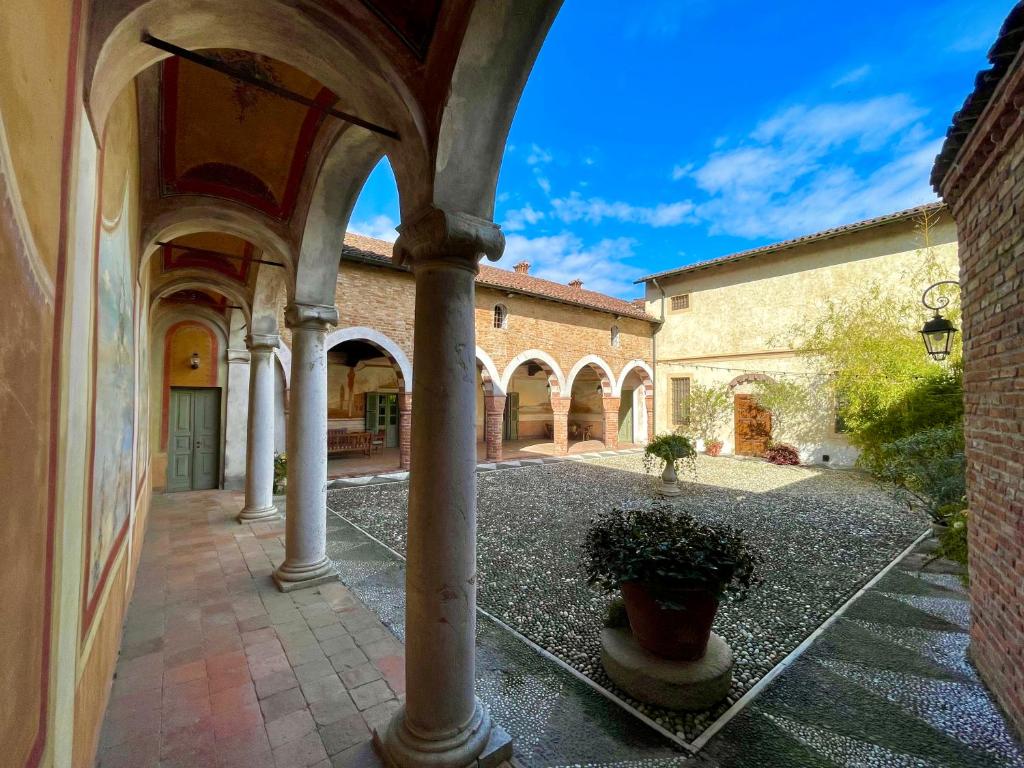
(546,361)
(603,370)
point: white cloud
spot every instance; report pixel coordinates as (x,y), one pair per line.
(681,171)
(544,183)
(381,227)
(517,219)
(594,210)
(812,167)
(603,266)
(853,76)
(538,156)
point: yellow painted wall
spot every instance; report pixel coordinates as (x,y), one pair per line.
(746,316)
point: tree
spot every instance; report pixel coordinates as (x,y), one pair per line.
(709,408)
(793,405)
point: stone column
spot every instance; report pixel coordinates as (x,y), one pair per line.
(494,410)
(442,723)
(611,421)
(259,441)
(405,430)
(649,403)
(305,543)
(560,409)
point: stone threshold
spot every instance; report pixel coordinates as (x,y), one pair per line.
(397,477)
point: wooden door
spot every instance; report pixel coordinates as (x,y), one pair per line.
(626,417)
(510,419)
(193,444)
(753,426)
(382,416)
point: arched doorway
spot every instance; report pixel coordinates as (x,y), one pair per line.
(593,410)
(367,383)
(635,387)
(532,385)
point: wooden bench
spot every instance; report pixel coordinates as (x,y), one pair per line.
(339,440)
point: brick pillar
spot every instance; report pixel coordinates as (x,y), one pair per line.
(494,409)
(649,403)
(405,430)
(611,421)
(560,408)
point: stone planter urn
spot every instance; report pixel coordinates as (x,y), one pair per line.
(669,480)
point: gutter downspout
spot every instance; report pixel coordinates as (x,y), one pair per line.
(654,349)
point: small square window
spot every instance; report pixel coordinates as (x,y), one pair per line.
(680,302)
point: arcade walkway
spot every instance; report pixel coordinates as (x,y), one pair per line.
(219,668)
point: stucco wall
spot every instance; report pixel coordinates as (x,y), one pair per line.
(747,316)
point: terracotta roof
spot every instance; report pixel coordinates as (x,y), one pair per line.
(1001,56)
(825,234)
(373,251)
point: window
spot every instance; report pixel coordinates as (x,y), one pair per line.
(500,316)
(681,401)
(681,302)
(615,336)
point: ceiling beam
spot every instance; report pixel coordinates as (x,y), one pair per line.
(206,252)
(245,77)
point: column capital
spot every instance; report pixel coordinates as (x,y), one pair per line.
(238,355)
(262,342)
(435,235)
(314,316)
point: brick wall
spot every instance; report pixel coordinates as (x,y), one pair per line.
(384,299)
(986,194)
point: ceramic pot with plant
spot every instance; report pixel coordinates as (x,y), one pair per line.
(671,570)
(714,447)
(670,449)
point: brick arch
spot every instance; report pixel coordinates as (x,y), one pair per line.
(645,373)
(547,364)
(388,348)
(489,373)
(600,367)
(749,378)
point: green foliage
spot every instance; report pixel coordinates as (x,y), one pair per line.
(869,347)
(790,403)
(928,467)
(670,448)
(953,541)
(709,408)
(667,550)
(782,454)
(280,472)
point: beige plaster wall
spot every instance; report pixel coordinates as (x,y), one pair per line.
(747,317)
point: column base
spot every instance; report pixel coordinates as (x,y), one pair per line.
(480,744)
(258,514)
(291,577)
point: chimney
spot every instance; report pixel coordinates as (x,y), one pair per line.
(523,267)
(576,285)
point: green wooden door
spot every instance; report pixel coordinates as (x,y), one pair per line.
(510,419)
(179,440)
(382,416)
(626,417)
(193,442)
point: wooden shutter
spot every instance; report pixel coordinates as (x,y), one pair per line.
(372,404)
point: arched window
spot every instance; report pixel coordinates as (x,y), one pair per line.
(500,316)
(615,336)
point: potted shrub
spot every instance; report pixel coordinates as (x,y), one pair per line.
(709,408)
(280,472)
(670,448)
(671,570)
(714,447)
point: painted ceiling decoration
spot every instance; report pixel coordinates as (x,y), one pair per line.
(211,300)
(223,137)
(412,21)
(219,252)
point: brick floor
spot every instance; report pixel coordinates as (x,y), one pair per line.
(218,668)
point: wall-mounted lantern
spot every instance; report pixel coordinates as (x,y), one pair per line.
(194,360)
(938,332)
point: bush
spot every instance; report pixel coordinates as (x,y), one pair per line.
(667,550)
(928,468)
(953,541)
(670,447)
(709,409)
(280,472)
(783,454)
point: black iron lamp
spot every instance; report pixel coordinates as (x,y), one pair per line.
(194,360)
(938,332)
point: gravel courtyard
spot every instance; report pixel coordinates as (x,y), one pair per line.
(821,533)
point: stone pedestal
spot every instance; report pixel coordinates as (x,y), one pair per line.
(677,685)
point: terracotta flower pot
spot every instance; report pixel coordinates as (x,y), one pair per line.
(714,448)
(681,635)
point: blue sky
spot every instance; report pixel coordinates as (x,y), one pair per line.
(659,133)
